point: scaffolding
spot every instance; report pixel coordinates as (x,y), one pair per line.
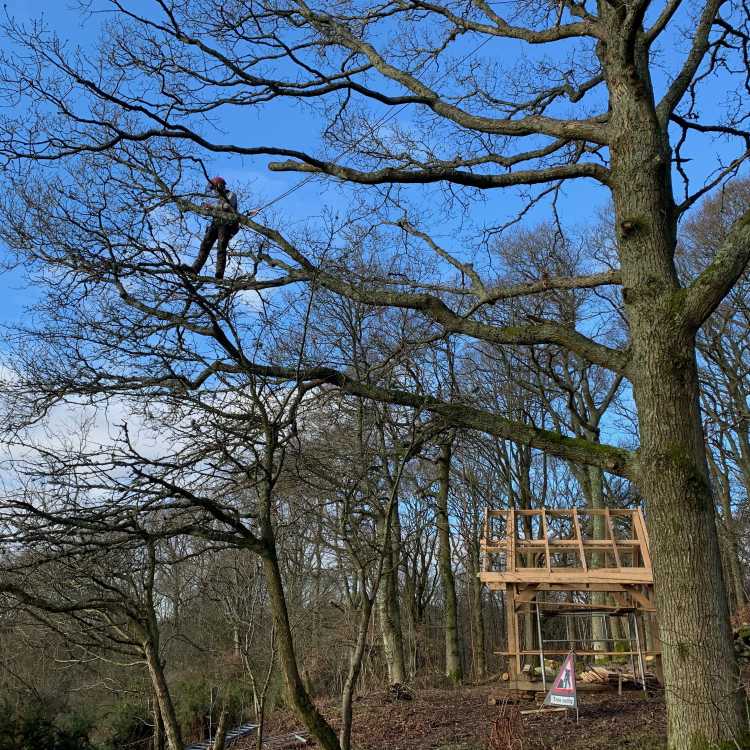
(571,562)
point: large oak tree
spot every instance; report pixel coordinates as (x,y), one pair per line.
(106,147)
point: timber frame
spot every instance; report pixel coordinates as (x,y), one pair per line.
(527,552)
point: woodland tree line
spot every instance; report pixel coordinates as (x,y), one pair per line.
(301,448)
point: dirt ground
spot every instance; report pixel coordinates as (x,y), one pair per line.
(461,719)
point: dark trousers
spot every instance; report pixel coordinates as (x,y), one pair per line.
(221,232)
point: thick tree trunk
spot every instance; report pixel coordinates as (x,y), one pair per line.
(453,669)
(702,686)
(306,709)
(690,595)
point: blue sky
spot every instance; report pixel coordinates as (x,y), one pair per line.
(286,124)
(283,123)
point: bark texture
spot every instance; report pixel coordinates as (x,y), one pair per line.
(161,691)
(479,657)
(389,607)
(453,668)
(671,470)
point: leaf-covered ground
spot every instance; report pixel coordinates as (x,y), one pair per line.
(461,719)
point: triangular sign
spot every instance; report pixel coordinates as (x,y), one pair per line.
(563,692)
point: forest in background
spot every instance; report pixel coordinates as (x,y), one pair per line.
(272,468)
(368,504)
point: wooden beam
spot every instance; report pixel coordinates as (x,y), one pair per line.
(631,576)
(565,607)
(565,545)
(549,652)
(611,529)
(640,598)
(525,595)
(622,512)
(605,587)
(639,528)
(620,599)
(546,541)
(484,542)
(511,629)
(579,539)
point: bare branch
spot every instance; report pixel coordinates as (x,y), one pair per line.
(443,174)
(698,51)
(703,296)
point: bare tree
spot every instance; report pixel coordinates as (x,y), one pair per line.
(724,362)
(124,133)
(105,588)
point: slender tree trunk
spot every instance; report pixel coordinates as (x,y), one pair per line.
(221,731)
(236,642)
(479,657)
(298,695)
(703,705)
(728,534)
(355,667)
(395,597)
(260,697)
(158,739)
(453,669)
(570,633)
(161,691)
(389,609)
(618,634)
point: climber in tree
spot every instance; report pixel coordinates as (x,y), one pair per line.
(221,228)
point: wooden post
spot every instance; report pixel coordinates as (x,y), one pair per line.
(581,551)
(546,541)
(611,530)
(511,627)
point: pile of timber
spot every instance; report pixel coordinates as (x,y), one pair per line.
(593,680)
(611,678)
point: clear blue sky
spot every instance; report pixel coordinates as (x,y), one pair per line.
(286,124)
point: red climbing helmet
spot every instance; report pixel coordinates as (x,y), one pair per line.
(218,182)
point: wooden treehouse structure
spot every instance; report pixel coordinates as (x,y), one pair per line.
(565,564)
